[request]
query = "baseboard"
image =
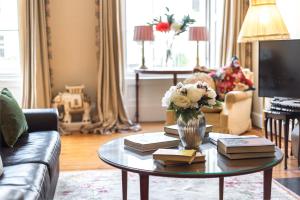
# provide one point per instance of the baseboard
(257, 119)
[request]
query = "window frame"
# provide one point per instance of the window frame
(129, 72)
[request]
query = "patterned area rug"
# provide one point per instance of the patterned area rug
(106, 185)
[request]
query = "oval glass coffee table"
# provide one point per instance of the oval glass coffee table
(216, 166)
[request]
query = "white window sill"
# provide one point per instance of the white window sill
(156, 77)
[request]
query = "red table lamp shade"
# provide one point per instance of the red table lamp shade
(143, 33)
(198, 33)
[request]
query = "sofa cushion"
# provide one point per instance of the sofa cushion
(35, 147)
(31, 180)
(12, 120)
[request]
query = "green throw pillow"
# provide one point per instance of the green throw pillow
(12, 120)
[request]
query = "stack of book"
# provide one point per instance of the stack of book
(150, 141)
(171, 157)
(172, 130)
(242, 148)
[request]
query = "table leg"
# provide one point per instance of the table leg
(271, 129)
(286, 138)
(137, 97)
(144, 187)
(174, 79)
(266, 127)
(124, 185)
(221, 188)
(267, 184)
(280, 130)
(275, 128)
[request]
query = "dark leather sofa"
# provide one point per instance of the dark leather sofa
(31, 167)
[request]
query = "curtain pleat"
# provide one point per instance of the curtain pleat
(34, 54)
(234, 13)
(112, 115)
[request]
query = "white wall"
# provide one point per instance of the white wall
(289, 10)
(74, 62)
(291, 14)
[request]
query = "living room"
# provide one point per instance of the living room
(142, 99)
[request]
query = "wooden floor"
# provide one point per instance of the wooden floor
(79, 151)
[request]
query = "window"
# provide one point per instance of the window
(9, 47)
(205, 12)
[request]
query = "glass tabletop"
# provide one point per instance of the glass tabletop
(216, 165)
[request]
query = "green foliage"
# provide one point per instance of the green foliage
(187, 114)
(185, 22)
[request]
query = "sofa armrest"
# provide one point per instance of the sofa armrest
(236, 96)
(41, 119)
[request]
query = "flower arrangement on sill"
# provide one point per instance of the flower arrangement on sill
(186, 100)
(171, 28)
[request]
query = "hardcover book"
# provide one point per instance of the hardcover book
(214, 137)
(199, 158)
(235, 156)
(245, 145)
(186, 156)
(150, 141)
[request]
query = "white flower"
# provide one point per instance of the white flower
(176, 26)
(179, 85)
(166, 100)
(180, 100)
(211, 102)
(211, 93)
(195, 94)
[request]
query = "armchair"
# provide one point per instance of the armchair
(234, 116)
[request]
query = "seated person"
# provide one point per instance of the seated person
(231, 78)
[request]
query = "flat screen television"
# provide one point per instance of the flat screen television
(279, 69)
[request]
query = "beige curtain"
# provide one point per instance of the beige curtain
(234, 13)
(34, 54)
(111, 111)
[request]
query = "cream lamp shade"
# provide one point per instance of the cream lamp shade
(198, 33)
(263, 21)
(143, 33)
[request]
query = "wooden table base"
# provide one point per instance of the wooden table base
(144, 185)
(267, 184)
(124, 184)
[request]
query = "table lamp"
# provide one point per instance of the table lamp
(198, 34)
(143, 33)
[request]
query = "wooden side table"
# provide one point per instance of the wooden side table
(283, 118)
(170, 71)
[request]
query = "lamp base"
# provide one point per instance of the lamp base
(143, 67)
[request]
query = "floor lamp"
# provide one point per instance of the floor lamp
(263, 21)
(143, 33)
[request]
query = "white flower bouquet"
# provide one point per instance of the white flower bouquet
(186, 100)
